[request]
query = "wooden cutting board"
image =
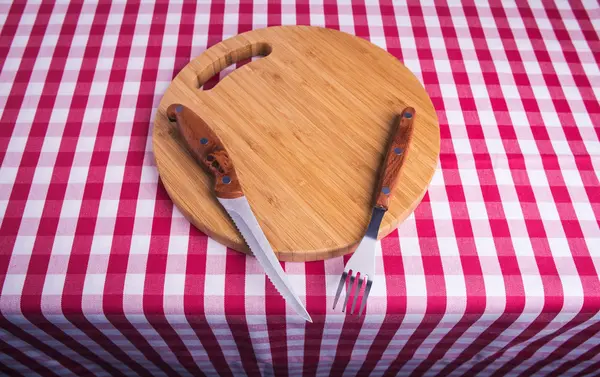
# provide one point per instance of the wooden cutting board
(307, 127)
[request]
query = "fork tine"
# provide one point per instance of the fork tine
(340, 286)
(348, 292)
(365, 296)
(356, 292)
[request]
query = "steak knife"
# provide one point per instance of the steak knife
(207, 149)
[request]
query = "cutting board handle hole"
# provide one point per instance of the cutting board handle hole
(232, 60)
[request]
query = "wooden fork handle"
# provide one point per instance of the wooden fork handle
(394, 160)
(208, 150)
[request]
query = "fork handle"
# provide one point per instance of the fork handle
(395, 157)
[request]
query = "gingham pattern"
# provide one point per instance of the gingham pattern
(496, 272)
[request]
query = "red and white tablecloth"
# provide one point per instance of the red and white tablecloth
(496, 272)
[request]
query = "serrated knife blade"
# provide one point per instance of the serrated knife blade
(240, 212)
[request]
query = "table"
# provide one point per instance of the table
(496, 271)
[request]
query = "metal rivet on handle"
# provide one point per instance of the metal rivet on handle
(398, 150)
(204, 141)
(385, 190)
(179, 109)
(407, 115)
(226, 179)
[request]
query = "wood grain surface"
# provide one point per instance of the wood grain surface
(307, 127)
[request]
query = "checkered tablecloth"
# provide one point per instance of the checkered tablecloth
(496, 271)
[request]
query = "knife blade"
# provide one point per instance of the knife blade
(208, 150)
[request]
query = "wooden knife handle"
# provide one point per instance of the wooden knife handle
(208, 150)
(396, 155)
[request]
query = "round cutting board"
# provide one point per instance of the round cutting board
(306, 127)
